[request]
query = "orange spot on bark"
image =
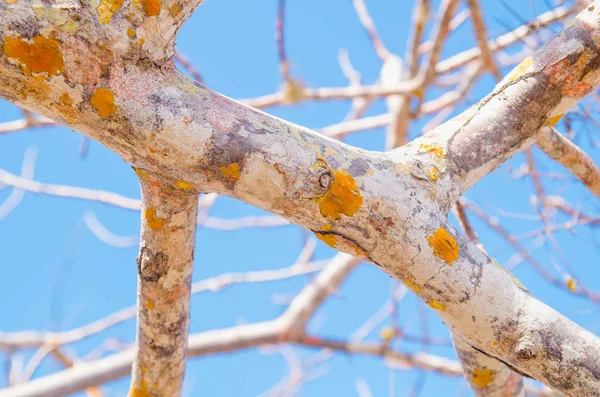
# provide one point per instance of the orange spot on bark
(175, 10)
(104, 102)
(342, 197)
(10, 1)
(278, 169)
(149, 305)
(232, 171)
(154, 223)
(152, 7)
(553, 120)
(107, 9)
(327, 227)
(482, 377)
(66, 108)
(43, 55)
(436, 305)
(131, 32)
(414, 287)
(328, 239)
(433, 173)
(184, 185)
(435, 150)
(523, 68)
(444, 246)
(341, 243)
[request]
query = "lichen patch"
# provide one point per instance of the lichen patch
(444, 246)
(42, 56)
(103, 101)
(342, 197)
(481, 377)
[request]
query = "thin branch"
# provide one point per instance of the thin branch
(369, 26)
(481, 36)
(570, 156)
(165, 266)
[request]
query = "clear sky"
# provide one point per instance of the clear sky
(56, 275)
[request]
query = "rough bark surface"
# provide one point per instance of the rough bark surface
(390, 208)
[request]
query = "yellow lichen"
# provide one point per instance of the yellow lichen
(43, 55)
(482, 377)
(571, 284)
(104, 102)
(152, 7)
(341, 243)
(10, 1)
(523, 68)
(66, 108)
(437, 151)
(149, 305)
(444, 246)
(174, 10)
(342, 197)
(433, 173)
(154, 223)
(328, 239)
(184, 185)
(412, 286)
(387, 334)
(131, 32)
(436, 305)
(327, 227)
(553, 120)
(231, 171)
(107, 9)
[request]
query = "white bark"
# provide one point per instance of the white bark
(390, 208)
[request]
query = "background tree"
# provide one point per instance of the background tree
(104, 69)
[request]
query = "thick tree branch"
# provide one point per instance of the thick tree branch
(390, 208)
(165, 268)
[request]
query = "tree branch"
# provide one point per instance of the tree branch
(570, 156)
(165, 268)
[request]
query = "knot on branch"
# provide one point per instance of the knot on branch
(528, 346)
(152, 267)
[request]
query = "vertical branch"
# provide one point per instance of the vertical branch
(165, 267)
(487, 376)
(481, 36)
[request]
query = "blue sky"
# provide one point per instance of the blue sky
(56, 275)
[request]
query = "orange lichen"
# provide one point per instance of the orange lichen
(436, 305)
(341, 243)
(342, 197)
(526, 66)
(152, 7)
(387, 334)
(414, 287)
(444, 246)
(231, 171)
(433, 173)
(435, 150)
(66, 108)
(553, 120)
(175, 9)
(43, 55)
(184, 185)
(154, 223)
(131, 32)
(571, 284)
(481, 377)
(10, 1)
(327, 238)
(104, 102)
(107, 9)
(149, 305)
(327, 227)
